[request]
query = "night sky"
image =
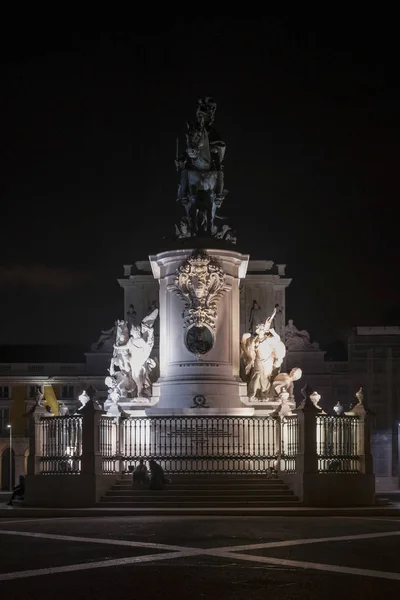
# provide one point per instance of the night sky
(308, 108)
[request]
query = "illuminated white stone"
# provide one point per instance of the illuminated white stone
(215, 374)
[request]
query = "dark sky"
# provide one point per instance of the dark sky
(309, 111)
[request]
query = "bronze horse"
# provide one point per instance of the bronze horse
(201, 186)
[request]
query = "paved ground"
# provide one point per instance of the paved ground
(226, 558)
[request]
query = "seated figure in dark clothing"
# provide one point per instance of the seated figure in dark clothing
(157, 477)
(140, 473)
(19, 490)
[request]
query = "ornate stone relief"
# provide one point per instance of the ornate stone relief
(200, 283)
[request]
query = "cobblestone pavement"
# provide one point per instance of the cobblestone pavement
(199, 557)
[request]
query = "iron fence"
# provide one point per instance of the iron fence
(338, 440)
(289, 438)
(61, 444)
(109, 444)
(213, 444)
(196, 444)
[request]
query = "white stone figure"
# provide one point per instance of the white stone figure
(121, 355)
(262, 354)
(39, 397)
(315, 398)
(141, 344)
(279, 322)
(297, 340)
(148, 367)
(63, 410)
(112, 402)
(83, 399)
(123, 382)
(285, 381)
(255, 317)
(284, 409)
(131, 361)
(38, 406)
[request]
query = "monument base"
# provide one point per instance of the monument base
(199, 412)
(201, 392)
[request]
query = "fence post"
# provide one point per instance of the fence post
(92, 461)
(278, 441)
(35, 445)
(363, 434)
(307, 457)
(364, 445)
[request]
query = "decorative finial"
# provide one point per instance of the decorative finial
(358, 409)
(338, 408)
(360, 396)
(308, 402)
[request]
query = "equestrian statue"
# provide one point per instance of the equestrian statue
(201, 189)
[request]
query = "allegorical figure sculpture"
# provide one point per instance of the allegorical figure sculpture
(285, 382)
(131, 363)
(262, 354)
(298, 340)
(201, 188)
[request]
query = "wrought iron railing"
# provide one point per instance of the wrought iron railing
(191, 444)
(109, 435)
(213, 444)
(289, 438)
(338, 441)
(61, 444)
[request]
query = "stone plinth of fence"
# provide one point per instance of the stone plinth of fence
(65, 464)
(327, 460)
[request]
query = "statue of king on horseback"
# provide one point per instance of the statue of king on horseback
(201, 189)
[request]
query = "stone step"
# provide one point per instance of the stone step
(209, 499)
(212, 477)
(209, 485)
(203, 484)
(168, 491)
(206, 491)
(200, 505)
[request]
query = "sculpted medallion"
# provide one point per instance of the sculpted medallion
(200, 282)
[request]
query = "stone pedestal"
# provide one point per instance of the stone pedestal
(203, 381)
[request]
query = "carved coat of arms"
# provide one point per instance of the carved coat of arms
(200, 282)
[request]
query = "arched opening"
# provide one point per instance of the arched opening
(7, 483)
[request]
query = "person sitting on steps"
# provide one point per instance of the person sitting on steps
(19, 490)
(157, 477)
(140, 473)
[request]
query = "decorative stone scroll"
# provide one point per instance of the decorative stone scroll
(200, 283)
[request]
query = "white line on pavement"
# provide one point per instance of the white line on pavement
(229, 552)
(381, 519)
(93, 565)
(341, 538)
(283, 562)
(112, 542)
(244, 547)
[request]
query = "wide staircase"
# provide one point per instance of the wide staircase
(202, 492)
